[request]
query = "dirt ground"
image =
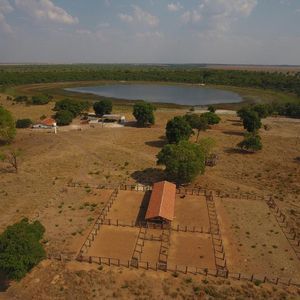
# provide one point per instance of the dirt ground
(191, 249)
(129, 207)
(54, 280)
(114, 155)
(114, 242)
(191, 211)
(253, 240)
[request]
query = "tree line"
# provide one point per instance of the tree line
(14, 75)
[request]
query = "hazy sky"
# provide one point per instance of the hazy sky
(150, 31)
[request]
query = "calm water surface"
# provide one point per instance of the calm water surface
(178, 94)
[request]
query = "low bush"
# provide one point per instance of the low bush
(23, 123)
(251, 142)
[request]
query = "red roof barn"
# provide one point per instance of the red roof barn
(162, 203)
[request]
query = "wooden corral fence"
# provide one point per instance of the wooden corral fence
(187, 270)
(219, 251)
(177, 228)
(288, 231)
(94, 231)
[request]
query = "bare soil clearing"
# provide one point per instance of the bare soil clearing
(192, 249)
(191, 211)
(114, 242)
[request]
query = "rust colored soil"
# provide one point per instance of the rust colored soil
(129, 207)
(114, 242)
(191, 211)
(191, 249)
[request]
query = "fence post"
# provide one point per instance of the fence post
(277, 280)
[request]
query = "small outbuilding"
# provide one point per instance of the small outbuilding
(47, 123)
(162, 203)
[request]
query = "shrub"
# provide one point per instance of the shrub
(40, 100)
(211, 108)
(23, 123)
(20, 249)
(251, 142)
(178, 129)
(7, 126)
(20, 99)
(144, 113)
(103, 107)
(63, 117)
(73, 106)
(211, 118)
(183, 161)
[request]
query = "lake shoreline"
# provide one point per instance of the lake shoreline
(196, 95)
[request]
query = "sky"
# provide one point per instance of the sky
(150, 31)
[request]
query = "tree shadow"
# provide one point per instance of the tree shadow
(156, 144)
(148, 176)
(131, 124)
(237, 151)
(231, 132)
(143, 208)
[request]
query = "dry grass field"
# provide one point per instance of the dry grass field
(114, 155)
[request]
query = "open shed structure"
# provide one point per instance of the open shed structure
(162, 203)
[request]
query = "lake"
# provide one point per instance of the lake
(177, 94)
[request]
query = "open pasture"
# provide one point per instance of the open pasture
(254, 241)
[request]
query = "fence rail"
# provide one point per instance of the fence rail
(173, 268)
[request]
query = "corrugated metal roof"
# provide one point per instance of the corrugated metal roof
(162, 201)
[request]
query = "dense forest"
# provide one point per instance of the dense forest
(25, 74)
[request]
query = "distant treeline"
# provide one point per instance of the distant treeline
(14, 75)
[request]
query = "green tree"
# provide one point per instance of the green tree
(74, 106)
(103, 107)
(207, 145)
(197, 122)
(251, 121)
(211, 108)
(211, 118)
(252, 142)
(178, 129)
(63, 117)
(144, 113)
(7, 126)
(183, 161)
(23, 123)
(263, 110)
(20, 249)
